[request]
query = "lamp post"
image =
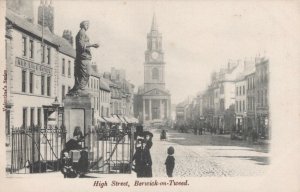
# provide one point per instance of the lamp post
(55, 106)
(245, 121)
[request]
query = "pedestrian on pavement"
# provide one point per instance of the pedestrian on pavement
(147, 156)
(210, 128)
(138, 159)
(195, 129)
(170, 162)
(83, 163)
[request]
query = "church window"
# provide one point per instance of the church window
(149, 44)
(155, 73)
(153, 44)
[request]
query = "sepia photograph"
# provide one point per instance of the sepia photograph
(129, 95)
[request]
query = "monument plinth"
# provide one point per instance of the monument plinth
(78, 112)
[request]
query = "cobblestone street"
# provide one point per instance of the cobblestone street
(208, 155)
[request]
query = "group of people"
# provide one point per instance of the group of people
(199, 128)
(142, 157)
(70, 169)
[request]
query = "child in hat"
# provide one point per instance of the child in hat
(170, 162)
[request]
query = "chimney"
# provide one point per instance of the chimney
(113, 73)
(257, 59)
(22, 7)
(47, 10)
(239, 64)
(67, 34)
(106, 75)
(229, 65)
(122, 74)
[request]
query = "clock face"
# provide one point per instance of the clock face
(154, 55)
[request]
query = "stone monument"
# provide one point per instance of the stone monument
(78, 102)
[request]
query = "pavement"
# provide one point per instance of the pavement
(196, 156)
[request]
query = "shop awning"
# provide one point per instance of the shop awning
(112, 119)
(131, 120)
(100, 119)
(116, 118)
(108, 119)
(121, 118)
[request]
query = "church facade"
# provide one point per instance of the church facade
(153, 100)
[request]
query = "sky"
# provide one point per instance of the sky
(199, 37)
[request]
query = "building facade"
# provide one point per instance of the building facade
(180, 113)
(240, 103)
(121, 92)
(94, 91)
(262, 98)
(105, 96)
(223, 86)
(34, 60)
(236, 100)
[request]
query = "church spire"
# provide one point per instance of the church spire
(154, 24)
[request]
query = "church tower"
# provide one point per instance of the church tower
(154, 66)
(153, 102)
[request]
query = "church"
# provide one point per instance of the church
(153, 100)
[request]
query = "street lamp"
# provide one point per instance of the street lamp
(55, 104)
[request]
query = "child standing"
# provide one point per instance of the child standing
(170, 162)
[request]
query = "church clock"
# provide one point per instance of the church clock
(154, 55)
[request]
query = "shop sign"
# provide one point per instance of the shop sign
(36, 67)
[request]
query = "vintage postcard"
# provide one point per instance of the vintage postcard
(150, 95)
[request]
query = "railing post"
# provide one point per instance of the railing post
(131, 145)
(32, 148)
(12, 150)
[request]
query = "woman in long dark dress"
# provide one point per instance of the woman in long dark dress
(147, 156)
(138, 158)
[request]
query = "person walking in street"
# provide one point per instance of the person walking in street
(170, 162)
(195, 128)
(199, 128)
(210, 128)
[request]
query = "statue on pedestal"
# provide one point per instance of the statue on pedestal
(82, 61)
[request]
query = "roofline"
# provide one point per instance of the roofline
(65, 53)
(158, 89)
(104, 89)
(32, 34)
(39, 36)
